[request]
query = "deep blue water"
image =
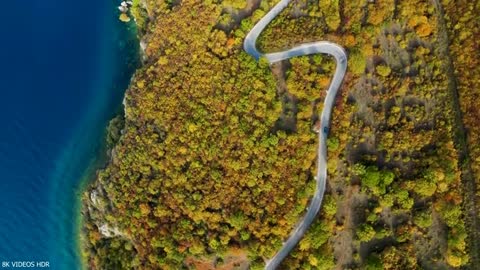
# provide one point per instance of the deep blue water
(64, 68)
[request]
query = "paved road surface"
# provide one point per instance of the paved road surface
(305, 49)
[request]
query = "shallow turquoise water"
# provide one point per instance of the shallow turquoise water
(65, 67)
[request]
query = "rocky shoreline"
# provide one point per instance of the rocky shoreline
(95, 204)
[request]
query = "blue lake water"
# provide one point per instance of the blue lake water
(65, 67)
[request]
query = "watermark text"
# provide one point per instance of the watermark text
(25, 264)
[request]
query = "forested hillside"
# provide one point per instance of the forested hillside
(213, 162)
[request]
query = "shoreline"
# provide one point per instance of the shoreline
(103, 156)
(100, 160)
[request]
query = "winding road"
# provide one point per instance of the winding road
(305, 49)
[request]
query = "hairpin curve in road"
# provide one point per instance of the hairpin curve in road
(340, 56)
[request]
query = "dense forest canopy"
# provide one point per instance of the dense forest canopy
(213, 162)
